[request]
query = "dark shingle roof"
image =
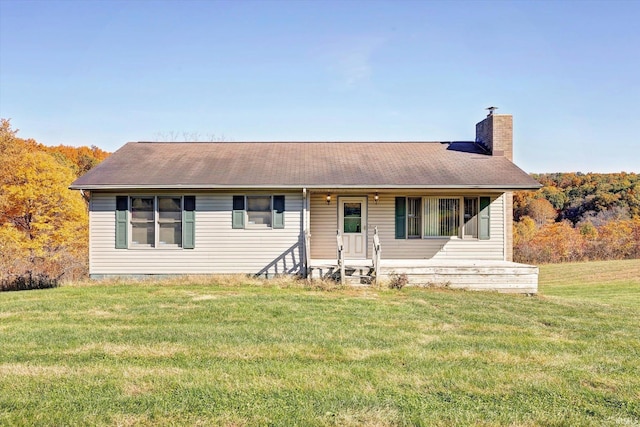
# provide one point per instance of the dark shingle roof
(196, 165)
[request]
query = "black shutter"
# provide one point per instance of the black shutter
(122, 210)
(278, 211)
(484, 223)
(189, 222)
(401, 217)
(237, 218)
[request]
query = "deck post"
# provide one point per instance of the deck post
(307, 255)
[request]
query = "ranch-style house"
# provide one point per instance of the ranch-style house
(440, 212)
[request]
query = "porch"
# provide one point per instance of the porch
(357, 237)
(500, 276)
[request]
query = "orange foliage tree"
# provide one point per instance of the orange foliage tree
(541, 211)
(80, 159)
(597, 216)
(619, 240)
(558, 242)
(43, 224)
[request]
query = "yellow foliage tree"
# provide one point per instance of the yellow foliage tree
(524, 230)
(43, 224)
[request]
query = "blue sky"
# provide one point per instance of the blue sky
(107, 72)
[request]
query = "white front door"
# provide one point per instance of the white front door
(353, 226)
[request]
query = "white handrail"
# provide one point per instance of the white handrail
(340, 245)
(377, 252)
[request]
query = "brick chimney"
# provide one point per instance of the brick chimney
(495, 133)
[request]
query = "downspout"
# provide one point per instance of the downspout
(86, 196)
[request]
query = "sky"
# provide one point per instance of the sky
(107, 72)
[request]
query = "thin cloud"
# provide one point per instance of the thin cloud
(351, 59)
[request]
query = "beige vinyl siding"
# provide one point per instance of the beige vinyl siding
(324, 224)
(218, 249)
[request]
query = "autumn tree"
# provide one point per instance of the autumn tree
(555, 196)
(541, 211)
(618, 240)
(523, 232)
(43, 224)
(79, 159)
(578, 216)
(558, 242)
(520, 201)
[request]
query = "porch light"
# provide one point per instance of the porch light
(328, 198)
(376, 198)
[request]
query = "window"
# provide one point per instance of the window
(143, 221)
(352, 217)
(155, 222)
(258, 212)
(441, 216)
(465, 217)
(170, 220)
(470, 228)
(414, 217)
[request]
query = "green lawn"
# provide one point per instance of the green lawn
(210, 354)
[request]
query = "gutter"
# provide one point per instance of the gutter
(308, 187)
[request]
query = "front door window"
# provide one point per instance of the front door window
(352, 217)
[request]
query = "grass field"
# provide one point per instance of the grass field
(284, 354)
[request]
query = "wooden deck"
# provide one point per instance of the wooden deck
(501, 276)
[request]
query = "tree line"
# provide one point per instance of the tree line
(43, 224)
(577, 217)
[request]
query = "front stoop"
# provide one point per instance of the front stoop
(357, 272)
(354, 274)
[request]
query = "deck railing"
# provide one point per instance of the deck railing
(377, 252)
(340, 255)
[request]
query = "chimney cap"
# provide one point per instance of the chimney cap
(491, 110)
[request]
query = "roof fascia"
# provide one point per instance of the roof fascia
(505, 187)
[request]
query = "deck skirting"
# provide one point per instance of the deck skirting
(500, 276)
